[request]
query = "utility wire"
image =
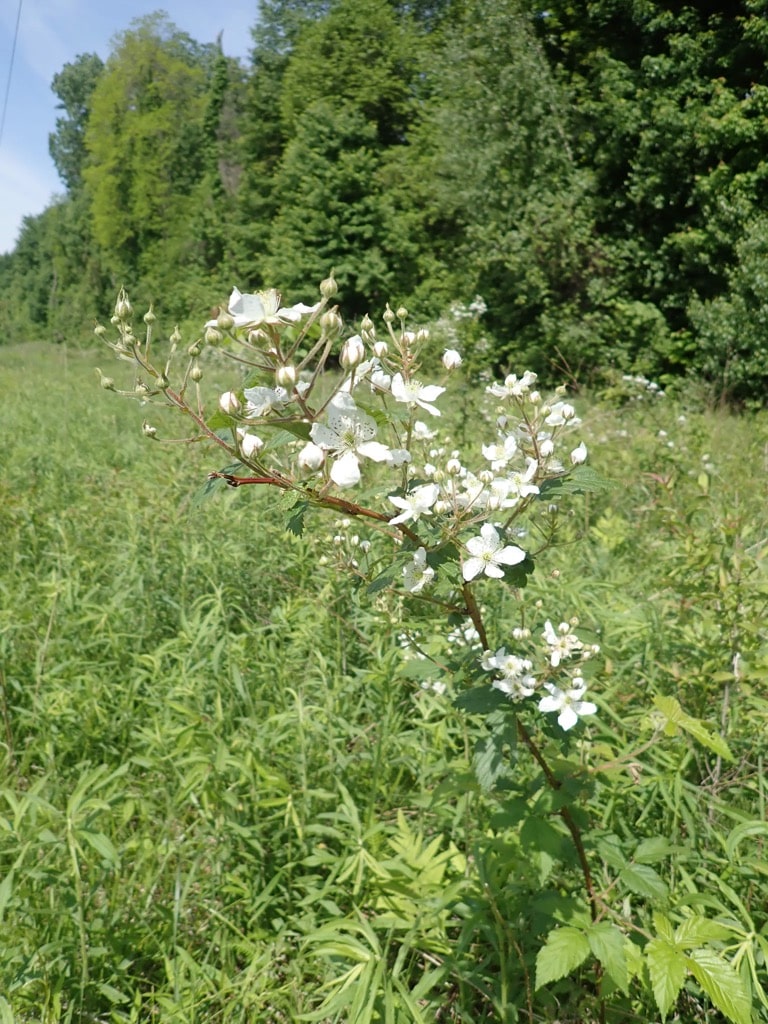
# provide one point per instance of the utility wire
(10, 70)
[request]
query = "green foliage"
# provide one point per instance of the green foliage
(74, 86)
(227, 797)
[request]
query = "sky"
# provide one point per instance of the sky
(51, 33)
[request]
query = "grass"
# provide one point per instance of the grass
(223, 799)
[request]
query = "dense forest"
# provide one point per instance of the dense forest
(578, 188)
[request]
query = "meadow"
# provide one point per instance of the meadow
(227, 797)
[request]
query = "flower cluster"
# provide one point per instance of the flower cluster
(560, 652)
(365, 441)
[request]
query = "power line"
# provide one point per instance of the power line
(10, 70)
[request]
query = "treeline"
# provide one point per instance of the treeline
(597, 173)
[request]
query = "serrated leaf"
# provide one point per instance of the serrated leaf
(480, 700)
(700, 931)
(607, 944)
(722, 984)
(643, 880)
(517, 575)
(676, 717)
(565, 950)
(656, 848)
(581, 480)
(666, 968)
(382, 581)
(295, 522)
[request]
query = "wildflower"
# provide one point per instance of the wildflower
(488, 555)
(416, 394)
(500, 454)
(562, 644)
(568, 703)
(416, 504)
(579, 455)
(262, 308)
(263, 400)
(348, 435)
(451, 359)
(417, 574)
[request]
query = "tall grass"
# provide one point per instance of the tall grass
(219, 791)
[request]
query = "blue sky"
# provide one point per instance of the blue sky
(51, 34)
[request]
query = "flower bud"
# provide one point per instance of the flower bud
(331, 322)
(193, 350)
(106, 382)
(579, 455)
(250, 445)
(114, 320)
(212, 335)
(225, 321)
(453, 467)
(311, 457)
(380, 349)
(329, 287)
(422, 335)
(388, 315)
(149, 317)
(352, 352)
(257, 337)
(175, 337)
(100, 331)
(229, 403)
(451, 359)
(367, 325)
(123, 308)
(148, 430)
(286, 376)
(402, 313)
(196, 374)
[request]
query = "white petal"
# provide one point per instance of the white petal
(471, 567)
(346, 470)
(374, 450)
(510, 555)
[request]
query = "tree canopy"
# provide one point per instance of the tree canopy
(596, 172)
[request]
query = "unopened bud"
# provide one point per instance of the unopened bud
(149, 317)
(193, 350)
(286, 376)
(175, 335)
(389, 316)
(367, 325)
(311, 457)
(100, 331)
(402, 313)
(225, 321)
(331, 323)
(196, 374)
(114, 320)
(148, 430)
(422, 335)
(451, 359)
(229, 403)
(352, 352)
(212, 335)
(380, 349)
(328, 287)
(123, 308)
(106, 382)
(251, 445)
(257, 337)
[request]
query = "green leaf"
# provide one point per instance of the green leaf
(654, 849)
(581, 480)
(565, 950)
(677, 718)
(480, 700)
(667, 968)
(102, 844)
(742, 831)
(722, 984)
(643, 880)
(700, 931)
(607, 944)
(295, 522)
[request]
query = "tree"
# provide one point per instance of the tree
(74, 86)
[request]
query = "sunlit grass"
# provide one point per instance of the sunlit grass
(214, 765)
